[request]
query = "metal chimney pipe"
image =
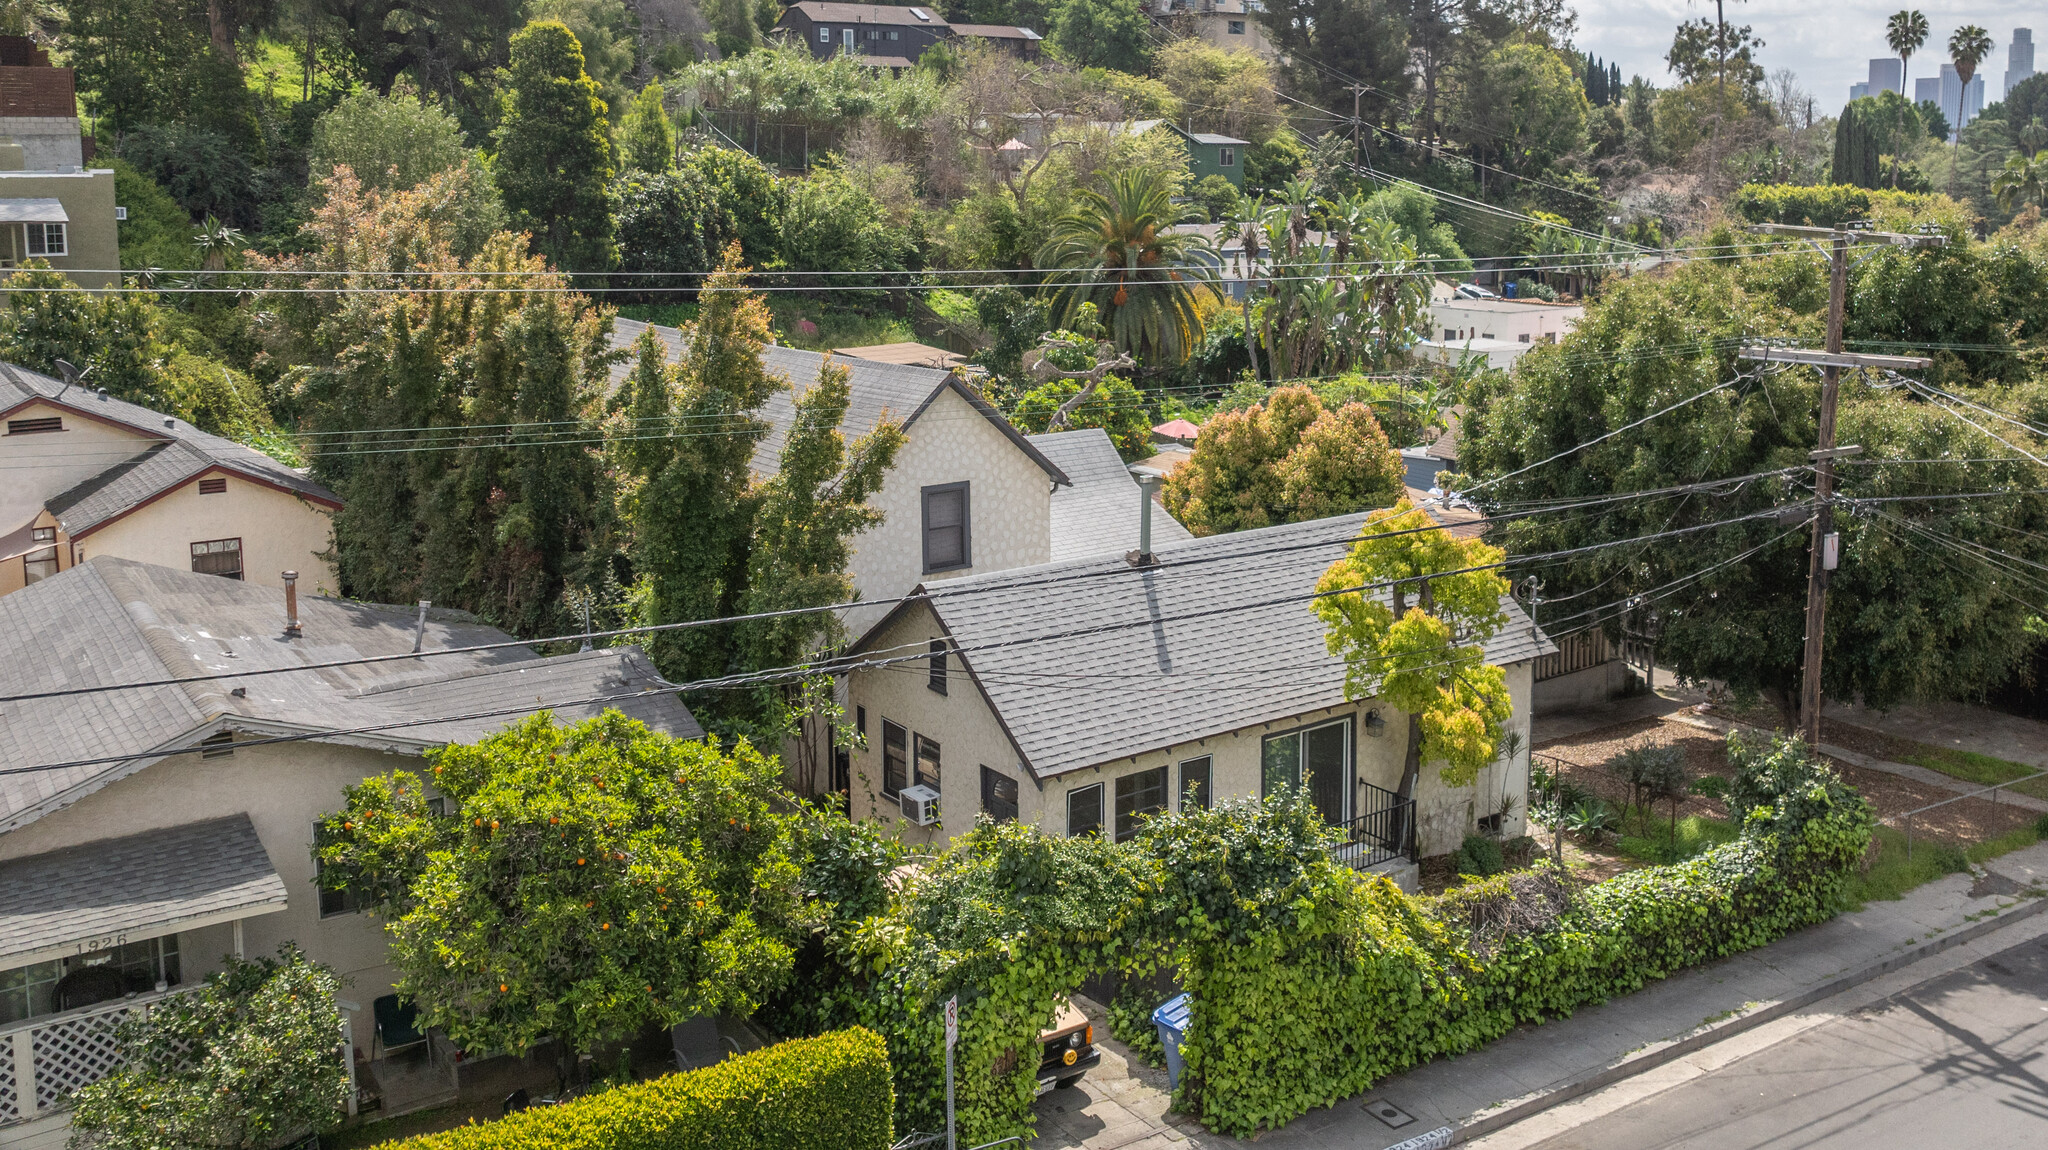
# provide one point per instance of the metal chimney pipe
(419, 630)
(1148, 479)
(291, 604)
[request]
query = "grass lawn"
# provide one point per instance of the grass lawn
(1652, 840)
(1892, 874)
(1977, 768)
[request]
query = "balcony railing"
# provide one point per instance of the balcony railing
(43, 1060)
(1385, 832)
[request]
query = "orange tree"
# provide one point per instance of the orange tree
(584, 881)
(1409, 609)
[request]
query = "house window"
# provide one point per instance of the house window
(874, 33)
(31, 426)
(1450, 334)
(1138, 796)
(824, 35)
(41, 563)
(213, 487)
(895, 34)
(1226, 157)
(925, 771)
(895, 759)
(332, 902)
(1084, 810)
(45, 239)
(860, 721)
(1316, 759)
(1237, 27)
(62, 983)
(221, 557)
(946, 542)
(1194, 784)
(937, 682)
(999, 795)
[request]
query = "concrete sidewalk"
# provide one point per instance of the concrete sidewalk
(1123, 1104)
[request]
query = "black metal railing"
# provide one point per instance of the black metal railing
(1383, 833)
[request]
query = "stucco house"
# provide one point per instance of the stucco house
(1081, 696)
(968, 492)
(52, 207)
(147, 832)
(92, 475)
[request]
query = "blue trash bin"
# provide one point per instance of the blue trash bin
(1172, 1020)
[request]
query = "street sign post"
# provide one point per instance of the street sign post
(952, 1038)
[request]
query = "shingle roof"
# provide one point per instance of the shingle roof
(868, 14)
(112, 621)
(898, 391)
(996, 32)
(1098, 514)
(1078, 677)
(183, 452)
(144, 884)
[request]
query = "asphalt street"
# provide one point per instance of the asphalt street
(1956, 1061)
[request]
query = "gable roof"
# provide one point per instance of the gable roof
(899, 391)
(1097, 514)
(836, 13)
(109, 621)
(1093, 660)
(180, 452)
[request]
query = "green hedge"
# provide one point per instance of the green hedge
(826, 1093)
(1822, 205)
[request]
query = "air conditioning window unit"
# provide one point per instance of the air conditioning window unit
(920, 805)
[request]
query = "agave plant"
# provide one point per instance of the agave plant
(1116, 249)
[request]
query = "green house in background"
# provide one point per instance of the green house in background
(1209, 154)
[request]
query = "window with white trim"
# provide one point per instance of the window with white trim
(824, 35)
(46, 240)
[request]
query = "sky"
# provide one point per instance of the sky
(1829, 44)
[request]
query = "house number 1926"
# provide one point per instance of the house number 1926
(105, 942)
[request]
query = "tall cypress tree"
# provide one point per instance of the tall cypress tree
(1856, 149)
(555, 160)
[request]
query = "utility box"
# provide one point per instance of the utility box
(1172, 1020)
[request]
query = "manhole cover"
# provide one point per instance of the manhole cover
(1387, 1112)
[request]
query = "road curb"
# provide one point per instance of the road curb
(1670, 1050)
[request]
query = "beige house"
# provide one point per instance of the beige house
(92, 475)
(154, 830)
(1232, 25)
(1083, 696)
(968, 493)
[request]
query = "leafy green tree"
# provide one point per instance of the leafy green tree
(1282, 461)
(251, 1059)
(158, 231)
(1114, 250)
(1418, 646)
(1348, 302)
(1523, 108)
(555, 161)
(655, 881)
(1116, 407)
(830, 223)
(1219, 91)
(394, 141)
(2019, 182)
(647, 141)
(1101, 34)
(609, 35)
(167, 62)
(1327, 45)
(119, 337)
(1910, 614)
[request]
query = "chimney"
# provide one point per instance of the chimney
(1148, 479)
(419, 633)
(291, 604)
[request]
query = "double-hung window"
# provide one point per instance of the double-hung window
(1315, 759)
(895, 759)
(925, 768)
(1138, 796)
(824, 35)
(1084, 810)
(947, 546)
(1226, 157)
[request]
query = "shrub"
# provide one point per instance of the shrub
(1480, 856)
(831, 1092)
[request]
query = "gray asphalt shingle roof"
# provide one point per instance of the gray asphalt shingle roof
(110, 621)
(897, 391)
(184, 452)
(144, 885)
(1079, 677)
(1098, 514)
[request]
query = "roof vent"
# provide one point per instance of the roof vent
(102, 393)
(170, 423)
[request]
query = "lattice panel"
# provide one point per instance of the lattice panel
(10, 1110)
(74, 1053)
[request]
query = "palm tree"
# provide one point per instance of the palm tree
(1905, 32)
(1967, 49)
(2020, 182)
(1117, 250)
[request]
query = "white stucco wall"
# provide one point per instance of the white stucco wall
(44, 464)
(970, 737)
(279, 532)
(1009, 506)
(283, 789)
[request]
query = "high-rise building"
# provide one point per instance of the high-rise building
(1858, 90)
(1886, 75)
(1927, 88)
(1959, 105)
(2019, 58)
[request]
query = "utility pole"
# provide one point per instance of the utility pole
(1824, 552)
(1357, 143)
